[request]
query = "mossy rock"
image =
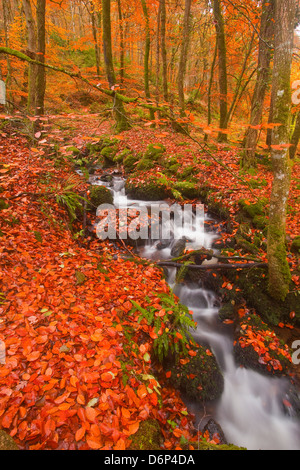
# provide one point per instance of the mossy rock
(3, 204)
(253, 210)
(130, 162)
(173, 169)
(227, 311)
(7, 442)
(171, 161)
(199, 379)
(295, 247)
(245, 245)
(150, 189)
(186, 172)
(99, 195)
(120, 157)
(145, 164)
(148, 436)
(108, 154)
(187, 189)
(245, 354)
(254, 287)
(154, 152)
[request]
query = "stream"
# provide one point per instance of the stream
(250, 410)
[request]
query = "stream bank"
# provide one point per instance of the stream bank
(286, 395)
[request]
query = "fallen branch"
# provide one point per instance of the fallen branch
(207, 267)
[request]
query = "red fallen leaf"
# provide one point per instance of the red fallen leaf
(80, 433)
(286, 403)
(107, 376)
(91, 414)
(94, 443)
(168, 374)
(120, 445)
(33, 356)
(228, 322)
(192, 353)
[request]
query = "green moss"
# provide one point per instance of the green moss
(295, 247)
(187, 189)
(100, 195)
(151, 189)
(109, 152)
(173, 169)
(145, 164)
(3, 204)
(120, 157)
(254, 287)
(7, 442)
(130, 162)
(187, 172)
(227, 311)
(253, 210)
(154, 152)
(200, 378)
(245, 351)
(148, 436)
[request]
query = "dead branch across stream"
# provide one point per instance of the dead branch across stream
(215, 266)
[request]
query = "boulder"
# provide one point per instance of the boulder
(7, 442)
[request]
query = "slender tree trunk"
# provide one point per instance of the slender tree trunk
(240, 80)
(221, 42)
(184, 53)
(211, 79)
(31, 52)
(295, 138)
(41, 49)
(279, 271)
(9, 72)
(262, 82)
(119, 111)
(122, 50)
(163, 19)
(95, 36)
(158, 52)
(147, 55)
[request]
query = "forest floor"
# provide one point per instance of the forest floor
(72, 377)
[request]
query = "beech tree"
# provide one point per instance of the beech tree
(279, 271)
(222, 64)
(41, 49)
(118, 107)
(263, 79)
(184, 53)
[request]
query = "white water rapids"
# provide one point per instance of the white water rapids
(250, 410)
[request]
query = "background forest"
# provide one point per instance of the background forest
(175, 100)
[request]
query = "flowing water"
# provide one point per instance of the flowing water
(250, 410)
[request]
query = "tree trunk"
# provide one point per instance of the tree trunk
(147, 55)
(184, 53)
(6, 38)
(121, 29)
(95, 36)
(262, 82)
(31, 52)
(211, 79)
(118, 108)
(158, 53)
(41, 49)
(163, 18)
(295, 138)
(221, 42)
(279, 271)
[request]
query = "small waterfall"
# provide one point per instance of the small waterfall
(250, 409)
